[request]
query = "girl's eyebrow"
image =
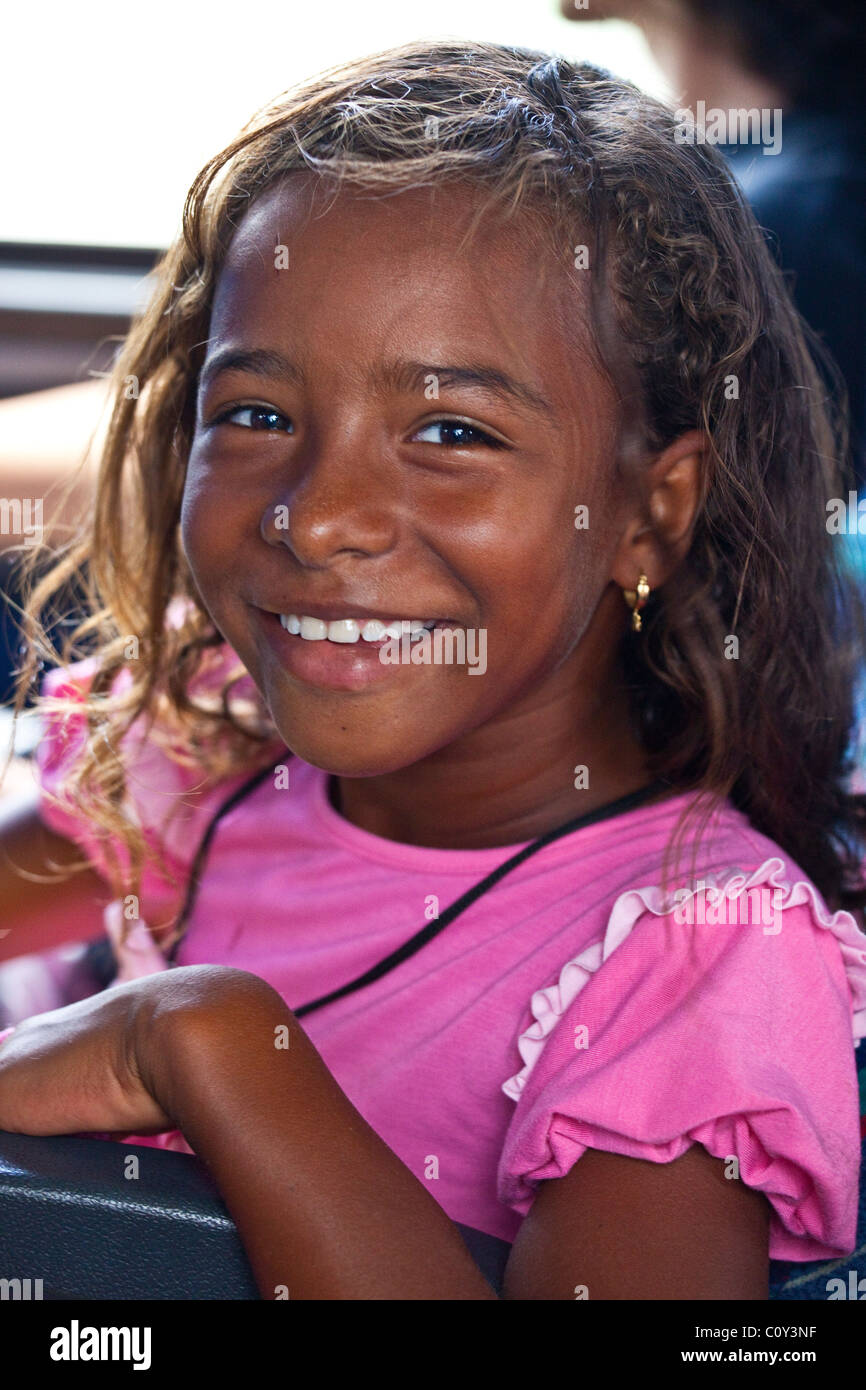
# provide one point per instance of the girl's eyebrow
(398, 375)
(266, 362)
(415, 376)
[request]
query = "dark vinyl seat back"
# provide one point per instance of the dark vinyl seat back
(73, 1215)
(70, 1216)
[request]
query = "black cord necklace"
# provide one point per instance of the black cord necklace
(432, 929)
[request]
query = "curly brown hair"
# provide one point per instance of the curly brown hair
(686, 300)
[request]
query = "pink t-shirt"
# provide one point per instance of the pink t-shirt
(570, 1007)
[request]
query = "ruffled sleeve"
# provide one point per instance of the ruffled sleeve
(726, 1018)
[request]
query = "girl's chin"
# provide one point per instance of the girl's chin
(357, 761)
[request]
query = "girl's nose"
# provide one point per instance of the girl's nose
(337, 504)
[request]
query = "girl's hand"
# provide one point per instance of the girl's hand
(104, 1064)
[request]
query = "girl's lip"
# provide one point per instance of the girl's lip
(329, 665)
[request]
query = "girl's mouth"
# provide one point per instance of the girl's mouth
(348, 631)
(343, 654)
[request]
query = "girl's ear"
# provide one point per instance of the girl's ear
(655, 546)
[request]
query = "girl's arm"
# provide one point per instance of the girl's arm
(627, 1229)
(325, 1209)
(38, 916)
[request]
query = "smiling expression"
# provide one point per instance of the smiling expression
(399, 425)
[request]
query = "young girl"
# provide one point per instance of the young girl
(563, 950)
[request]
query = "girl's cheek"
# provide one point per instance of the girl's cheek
(199, 540)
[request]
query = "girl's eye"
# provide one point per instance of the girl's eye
(456, 434)
(256, 417)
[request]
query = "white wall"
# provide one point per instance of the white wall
(108, 108)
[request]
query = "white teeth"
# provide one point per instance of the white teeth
(347, 630)
(344, 630)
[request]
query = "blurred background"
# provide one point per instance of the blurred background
(105, 131)
(124, 106)
(107, 113)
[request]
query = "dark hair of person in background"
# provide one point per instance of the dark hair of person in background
(811, 197)
(814, 51)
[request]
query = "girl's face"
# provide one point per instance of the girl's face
(391, 426)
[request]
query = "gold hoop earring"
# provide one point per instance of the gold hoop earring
(636, 598)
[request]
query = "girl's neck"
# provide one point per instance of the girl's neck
(507, 788)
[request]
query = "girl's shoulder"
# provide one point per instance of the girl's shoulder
(737, 914)
(168, 796)
(722, 1011)
(674, 876)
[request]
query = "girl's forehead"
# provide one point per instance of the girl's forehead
(441, 255)
(451, 222)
